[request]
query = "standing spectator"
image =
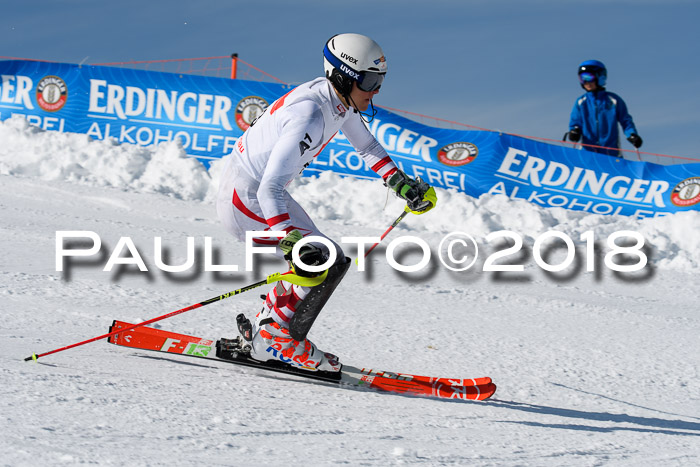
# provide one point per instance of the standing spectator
(596, 114)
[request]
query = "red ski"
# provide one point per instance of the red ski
(232, 351)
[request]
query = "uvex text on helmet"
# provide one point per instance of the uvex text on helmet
(349, 58)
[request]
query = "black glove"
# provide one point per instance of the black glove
(309, 254)
(575, 134)
(412, 190)
(636, 140)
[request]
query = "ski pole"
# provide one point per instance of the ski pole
(396, 222)
(286, 276)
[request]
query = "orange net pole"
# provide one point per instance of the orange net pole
(234, 65)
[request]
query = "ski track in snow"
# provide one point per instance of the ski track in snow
(592, 368)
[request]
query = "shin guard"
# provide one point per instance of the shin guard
(311, 306)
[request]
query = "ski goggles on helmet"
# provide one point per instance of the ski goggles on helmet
(587, 77)
(368, 81)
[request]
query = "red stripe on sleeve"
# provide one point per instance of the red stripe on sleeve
(378, 166)
(277, 219)
(263, 241)
(390, 173)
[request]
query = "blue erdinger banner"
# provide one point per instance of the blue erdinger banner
(209, 114)
(133, 106)
(478, 162)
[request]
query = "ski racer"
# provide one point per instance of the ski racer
(276, 148)
(595, 115)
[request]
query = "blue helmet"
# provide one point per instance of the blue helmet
(592, 70)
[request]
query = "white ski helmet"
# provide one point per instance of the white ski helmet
(349, 58)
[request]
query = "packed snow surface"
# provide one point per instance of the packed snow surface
(593, 367)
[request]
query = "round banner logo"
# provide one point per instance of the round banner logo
(249, 109)
(456, 154)
(51, 93)
(687, 192)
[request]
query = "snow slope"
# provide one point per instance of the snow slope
(593, 368)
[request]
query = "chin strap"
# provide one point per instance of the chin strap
(366, 117)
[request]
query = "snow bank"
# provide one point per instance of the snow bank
(365, 202)
(27, 151)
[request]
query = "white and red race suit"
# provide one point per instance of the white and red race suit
(279, 145)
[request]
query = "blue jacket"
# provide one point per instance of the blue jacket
(597, 113)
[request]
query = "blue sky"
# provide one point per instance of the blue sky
(499, 64)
